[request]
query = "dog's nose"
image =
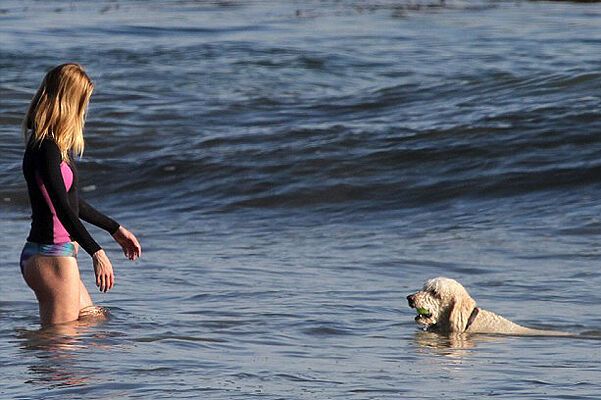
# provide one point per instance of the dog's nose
(411, 300)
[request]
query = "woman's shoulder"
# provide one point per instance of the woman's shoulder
(44, 145)
(45, 148)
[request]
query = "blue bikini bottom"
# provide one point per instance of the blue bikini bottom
(31, 249)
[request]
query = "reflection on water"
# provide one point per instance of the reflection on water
(450, 345)
(453, 346)
(57, 350)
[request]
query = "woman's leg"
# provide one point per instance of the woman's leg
(57, 286)
(84, 297)
(89, 311)
(85, 301)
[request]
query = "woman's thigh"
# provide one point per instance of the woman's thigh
(56, 283)
(84, 296)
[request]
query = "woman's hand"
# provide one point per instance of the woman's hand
(128, 242)
(105, 279)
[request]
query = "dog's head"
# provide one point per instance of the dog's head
(443, 305)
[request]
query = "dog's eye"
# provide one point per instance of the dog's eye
(435, 293)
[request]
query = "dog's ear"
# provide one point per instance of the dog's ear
(460, 313)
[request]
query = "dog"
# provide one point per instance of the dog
(443, 305)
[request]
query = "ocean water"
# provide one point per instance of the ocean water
(293, 170)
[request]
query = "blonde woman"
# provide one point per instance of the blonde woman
(53, 130)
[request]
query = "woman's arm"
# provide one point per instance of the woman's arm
(95, 217)
(128, 242)
(52, 178)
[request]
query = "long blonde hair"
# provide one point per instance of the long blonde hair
(58, 109)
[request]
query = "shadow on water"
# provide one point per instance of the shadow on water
(592, 334)
(58, 350)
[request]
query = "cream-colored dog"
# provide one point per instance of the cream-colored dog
(443, 305)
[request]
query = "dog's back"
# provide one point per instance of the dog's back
(489, 322)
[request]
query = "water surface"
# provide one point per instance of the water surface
(294, 170)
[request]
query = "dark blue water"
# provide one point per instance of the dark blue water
(294, 170)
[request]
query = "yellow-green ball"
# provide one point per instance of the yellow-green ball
(422, 310)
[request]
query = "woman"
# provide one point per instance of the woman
(53, 130)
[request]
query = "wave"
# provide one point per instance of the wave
(340, 167)
(358, 120)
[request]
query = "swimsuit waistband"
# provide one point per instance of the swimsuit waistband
(68, 249)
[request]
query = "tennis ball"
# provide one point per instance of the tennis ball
(422, 310)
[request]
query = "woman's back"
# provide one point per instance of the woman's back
(42, 163)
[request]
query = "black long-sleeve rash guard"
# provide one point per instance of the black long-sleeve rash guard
(55, 204)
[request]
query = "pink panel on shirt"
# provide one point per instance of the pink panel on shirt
(60, 234)
(67, 175)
